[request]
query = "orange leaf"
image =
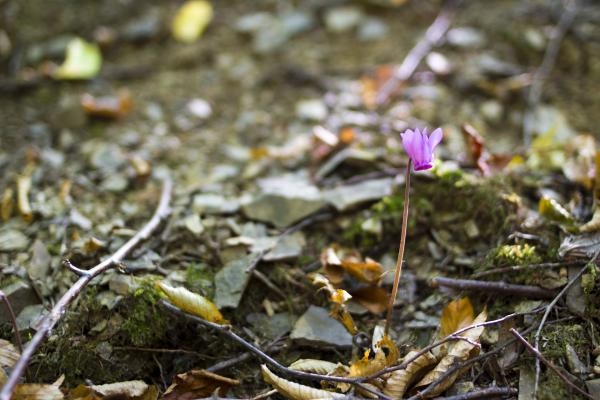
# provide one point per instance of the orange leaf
(372, 298)
(458, 314)
(368, 271)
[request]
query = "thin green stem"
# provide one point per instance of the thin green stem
(400, 259)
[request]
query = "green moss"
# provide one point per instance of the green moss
(555, 336)
(553, 388)
(144, 324)
(200, 278)
(517, 254)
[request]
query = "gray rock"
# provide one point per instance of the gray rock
(271, 327)
(347, 197)
(372, 29)
(40, 261)
(488, 64)
(312, 109)
(143, 28)
(122, 284)
(526, 383)
(78, 219)
(115, 183)
(12, 240)
(317, 328)
(29, 317)
(290, 246)
(20, 295)
(193, 223)
(199, 108)
(593, 387)
(465, 37)
(575, 297)
(231, 281)
(349, 155)
(343, 19)
(282, 210)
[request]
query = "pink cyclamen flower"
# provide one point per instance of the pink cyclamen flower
(420, 147)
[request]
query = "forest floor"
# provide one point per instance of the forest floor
(283, 145)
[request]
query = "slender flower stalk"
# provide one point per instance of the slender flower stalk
(419, 148)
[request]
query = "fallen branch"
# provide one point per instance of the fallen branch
(503, 288)
(482, 394)
(13, 320)
(515, 268)
(50, 320)
(433, 35)
(550, 365)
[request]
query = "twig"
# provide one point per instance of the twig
(482, 394)
(514, 268)
(13, 320)
(550, 365)
(166, 351)
(543, 321)
(541, 74)
(535, 292)
(400, 259)
(74, 269)
(50, 320)
(433, 35)
(273, 346)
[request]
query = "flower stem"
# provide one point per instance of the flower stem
(400, 259)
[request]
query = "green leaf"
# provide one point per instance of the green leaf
(83, 61)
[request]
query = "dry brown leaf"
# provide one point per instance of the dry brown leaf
(8, 354)
(458, 352)
(386, 354)
(23, 188)
(399, 381)
(456, 315)
(368, 271)
(111, 107)
(35, 391)
(314, 366)
(192, 303)
(373, 298)
(341, 313)
(137, 390)
(296, 391)
(197, 384)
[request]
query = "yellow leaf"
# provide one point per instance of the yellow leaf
(399, 380)
(34, 391)
(386, 354)
(457, 314)
(191, 20)
(193, 303)
(83, 61)
(554, 211)
(368, 271)
(340, 296)
(296, 391)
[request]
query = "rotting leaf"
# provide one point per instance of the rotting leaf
(386, 354)
(314, 366)
(296, 391)
(198, 384)
(398, 381)
(338, 297)
(368, 271)
(552, 210)
(35, 391)
(373, 298)
(456, 315)
(8, 354)
(110, 107)
(191, 20)
(192, 303)
(132, 390)
(83, 61)
(458, 352)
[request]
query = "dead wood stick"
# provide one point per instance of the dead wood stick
(514, 268)
(60, 308)
(13, 320)
(535, 292)
(433, 35)
(543, 321)
(550, 365)
(482, 394)
(541, 74)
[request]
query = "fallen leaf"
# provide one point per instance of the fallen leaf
(23, 189)
(296, 391)
(131, 390)
(386, 354)
(7, 204)
(314, 366)
(198, 384)
(110, 107)
(456, 315)
(400, 380)
(373, 298)
(192, 303)
(35, 391)
(8, 354)
(368, 271)
(554, 211)
(83, 61)
(191, 20)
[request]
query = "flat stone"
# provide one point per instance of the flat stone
(12, 240)
(316, 327)
(465, 37)
(209, 203)
(29, 317)
(312, 109)
(40, 261)
(575, 297)
(231, 281)
(350, 155)
(289, 246)
(593, 387)
(346, 197)
(343, 19)
(526, 383)
(20, 295)
(281, 210)
(271, 327)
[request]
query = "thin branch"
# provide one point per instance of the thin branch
(503, 288)
(400, 259)
(50, 320)
(482, 394)
(515, 268)
(75, 270)
(543, 71)
(433, 35)
(164, 351)
(550, 365)
(13, 320)
(543, 321)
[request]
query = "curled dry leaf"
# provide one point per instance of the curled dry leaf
(456, 315)
(458, 352)
(386, 354)
(8, 354)
(110, 107)
(133, 390)
(296, 391)
(373, 298)
(398, 381)
(338, 298)
(34, 391)
(192, 303)
(336, 261)
(315, 366)
(198, 384)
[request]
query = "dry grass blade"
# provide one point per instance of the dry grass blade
(296, 391)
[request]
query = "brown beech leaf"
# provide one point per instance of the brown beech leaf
(373, 298)
(386, 354)
(296, 391)
(368, 271)
(400, 380)
(109, 107)
(315, 366)
(35, 391)
(8, 354)
(456, 315)
(197, 384)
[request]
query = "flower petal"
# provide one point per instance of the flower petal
(435, 138)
